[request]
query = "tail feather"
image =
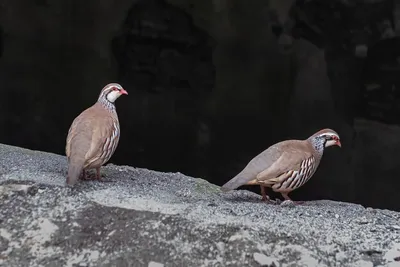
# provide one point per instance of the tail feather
(76, 148)
(74, 171)
(241, 179)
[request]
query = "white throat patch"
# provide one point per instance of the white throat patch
(113, 95)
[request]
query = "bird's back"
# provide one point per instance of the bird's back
(258, 164)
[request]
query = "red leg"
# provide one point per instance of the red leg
(83, 175)
(287, 198)
(264, 195)
(98, 175)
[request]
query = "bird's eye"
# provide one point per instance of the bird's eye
(335, 138)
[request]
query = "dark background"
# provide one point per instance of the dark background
(212, 83)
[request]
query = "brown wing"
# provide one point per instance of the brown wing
(79, 135)
(91, 133)
(105, 137)
(258, 164)
(289, 161)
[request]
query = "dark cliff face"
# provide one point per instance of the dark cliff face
(212, 84)
(167, 61)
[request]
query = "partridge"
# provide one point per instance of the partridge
(94, 135)
(285, 166)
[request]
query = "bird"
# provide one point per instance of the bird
(94, 135)
(285, 166)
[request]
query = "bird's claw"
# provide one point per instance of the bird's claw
(265, 199)
(289, 202)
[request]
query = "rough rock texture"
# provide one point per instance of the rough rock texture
(146, 218)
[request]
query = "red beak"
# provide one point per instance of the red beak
(338, 143)
(123, 92)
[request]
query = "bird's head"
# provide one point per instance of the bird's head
(111, 92)
(328, 137)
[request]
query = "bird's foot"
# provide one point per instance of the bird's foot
(100, 179)
(84, 176)
(89, 176)
(266, 199)
(289, 202)
(94, 177)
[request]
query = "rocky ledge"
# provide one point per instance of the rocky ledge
(147, 218)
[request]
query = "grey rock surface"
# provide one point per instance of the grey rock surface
(147, 218)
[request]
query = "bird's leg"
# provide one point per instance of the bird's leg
(98, 175)
(289, 200)
(88, 176)
(286, 197)
(83, 175)
(264, 195)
